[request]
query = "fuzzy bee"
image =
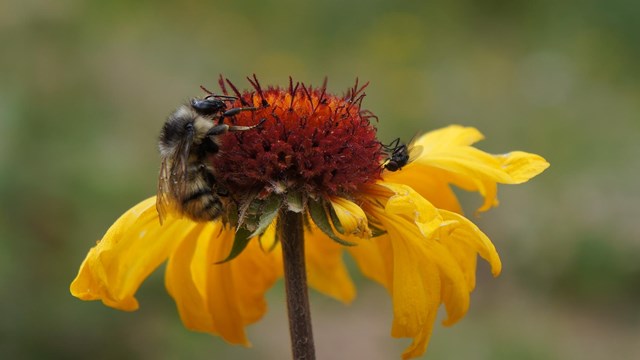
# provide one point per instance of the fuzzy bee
(399, 154)
(187, 181)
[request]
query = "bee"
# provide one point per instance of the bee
(189, 137)
(399, 154)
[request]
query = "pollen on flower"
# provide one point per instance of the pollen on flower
(310, 141)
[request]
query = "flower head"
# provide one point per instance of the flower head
(316, 154)
(312, 143)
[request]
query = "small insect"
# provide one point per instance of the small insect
(399, 154)
(190, 135)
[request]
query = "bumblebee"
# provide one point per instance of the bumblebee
(190, 135)
(399, 154)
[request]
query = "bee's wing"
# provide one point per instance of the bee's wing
(172, 180)
(162, 197)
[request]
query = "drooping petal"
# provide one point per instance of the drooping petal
(372, 256)
(465, 242)
(466, 232)
(181, 285)
(255, 271)
(373, 260)
(326, 271)
(422, 269)
(232, 293)
(424, 273)
(131, 249)
(216, 283)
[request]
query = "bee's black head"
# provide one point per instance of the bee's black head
(208, 106)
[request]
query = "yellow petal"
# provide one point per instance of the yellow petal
(217, 285)
(464, 255)
(424, 273)
(373, 260)
(268, 240)
(326, 270)
(522, 166)
(244, 282)
(255, 271)
(420, 341)
(431, 183)
(468, 162)
(181, 285)
(233, 292)
(452, 160)
(416, 282)
(467, 233)
(352, 217)
(452, 135)
(409, 203)
(465, 241)
(131, 249)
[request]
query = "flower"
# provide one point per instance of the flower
(316, 154)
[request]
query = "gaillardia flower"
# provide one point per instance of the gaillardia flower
(315, 154)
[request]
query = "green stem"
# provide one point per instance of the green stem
(291, 235)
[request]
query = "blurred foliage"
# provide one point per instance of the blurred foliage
(86, 86)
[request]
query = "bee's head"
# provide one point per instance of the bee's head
(184, 124)
(210, 105)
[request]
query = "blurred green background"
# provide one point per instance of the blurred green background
(86, 85)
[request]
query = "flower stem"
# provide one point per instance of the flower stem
(291, 235)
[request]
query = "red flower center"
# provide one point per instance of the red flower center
(310, 141)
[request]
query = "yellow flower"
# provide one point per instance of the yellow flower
(404, 228)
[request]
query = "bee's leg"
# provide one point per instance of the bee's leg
(224, 128)
(218, 130)
(233, 112)
(228, 98)
(245, 128)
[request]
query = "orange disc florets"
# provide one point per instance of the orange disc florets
(310, 141)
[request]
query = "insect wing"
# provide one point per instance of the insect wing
(162, 197)
(172, 181)
(414, 152)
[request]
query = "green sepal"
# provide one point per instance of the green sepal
(295, 202)
(320, 218)
(376, 231)
(240, 242)
(270, 210)
(252, 215)
(243, 209)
